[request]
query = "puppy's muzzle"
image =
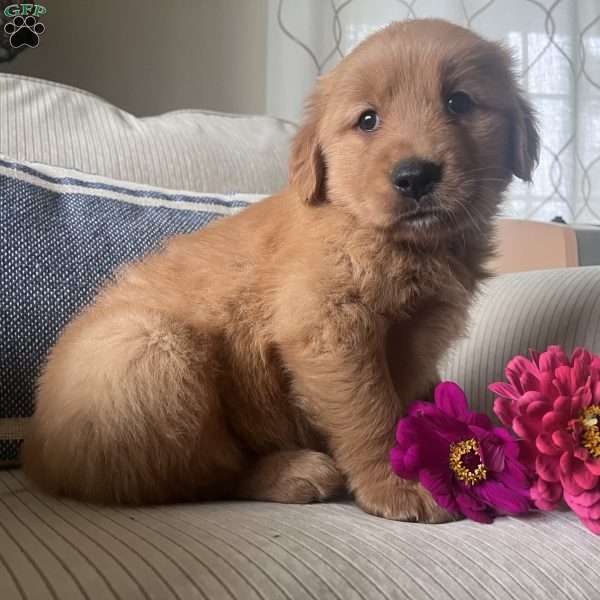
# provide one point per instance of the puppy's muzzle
(414, 178)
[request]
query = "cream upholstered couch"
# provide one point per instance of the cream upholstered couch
(57, 548)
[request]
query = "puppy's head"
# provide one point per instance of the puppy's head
(420, 128)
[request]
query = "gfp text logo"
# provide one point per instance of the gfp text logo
(24, 29)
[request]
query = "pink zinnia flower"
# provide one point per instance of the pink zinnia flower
(553, 403)
(468, 465)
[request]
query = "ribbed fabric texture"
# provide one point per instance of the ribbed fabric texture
(191, 150)
(520, 311)
(56, 548)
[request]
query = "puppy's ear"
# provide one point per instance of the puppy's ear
(307, 164)
(525, 140)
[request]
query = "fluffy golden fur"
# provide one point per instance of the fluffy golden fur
(270, 355)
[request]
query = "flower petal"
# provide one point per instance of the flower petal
(553, 420)
(503, 409)
(545, 445)
(541, 504)
(450, 399)
(585, 499)
(546, 385)
(592, 525)
(515, 475)
(536, 408)
(534, 356)
(552, 358)
(571, 487)
(412, 431)
(405, 463)
(562, 440)
(562, 380)
(502, 498)
(473, 509)
(596, 392)
(594, 511)
(504, 390)
(523, 429)
(492, 452)
(584, 478)
(511, 446)
(546, 495)
(547, 467)
(480, 420)
(439, 485)
(580, 367)
(519, 365)
(529, 382)
(587, 510)
(562, 405)
(527, 453)
(531, 397)
(593, 465)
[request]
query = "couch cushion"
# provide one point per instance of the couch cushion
(519, 311)
(61, 234)
(63, 549)
(193, 150)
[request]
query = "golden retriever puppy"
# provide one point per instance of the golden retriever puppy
(270, 355)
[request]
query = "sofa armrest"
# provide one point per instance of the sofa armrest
(519, 311)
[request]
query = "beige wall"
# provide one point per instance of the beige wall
(151, 56)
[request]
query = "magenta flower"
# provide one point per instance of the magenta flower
(552, 402)
(468, 465)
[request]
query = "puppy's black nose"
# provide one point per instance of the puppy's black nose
(414, 178)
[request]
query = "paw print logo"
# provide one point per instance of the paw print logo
(24, 31)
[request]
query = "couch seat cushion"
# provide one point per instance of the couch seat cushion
(250, 550)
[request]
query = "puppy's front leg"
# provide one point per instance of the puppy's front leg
(342, 377)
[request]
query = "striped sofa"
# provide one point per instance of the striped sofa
(65, 550)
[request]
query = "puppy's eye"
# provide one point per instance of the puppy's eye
(459, 103)
(368, 121)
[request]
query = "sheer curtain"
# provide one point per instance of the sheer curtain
(557, 50)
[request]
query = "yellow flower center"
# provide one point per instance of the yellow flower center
(465, 462)
(590, 437)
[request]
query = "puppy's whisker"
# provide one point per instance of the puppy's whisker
(458, 227)
(467, 212)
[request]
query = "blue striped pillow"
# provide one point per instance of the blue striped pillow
(62, 233)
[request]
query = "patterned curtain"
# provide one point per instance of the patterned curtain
(556, 44)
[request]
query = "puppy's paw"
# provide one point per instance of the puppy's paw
(308, 477)
(297, 477)
(401, 500)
